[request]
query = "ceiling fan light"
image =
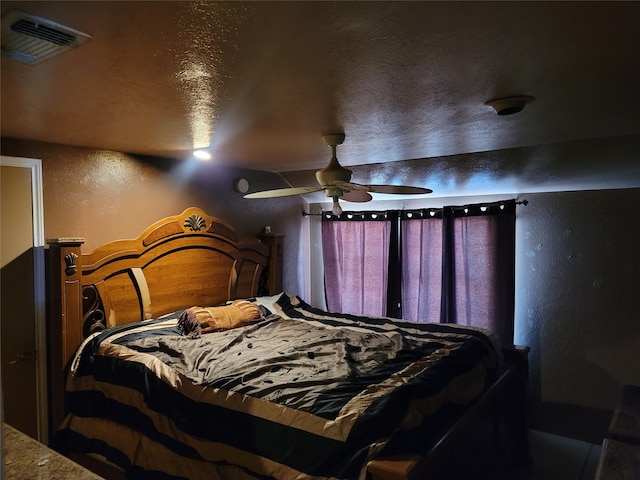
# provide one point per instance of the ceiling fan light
(336, 210)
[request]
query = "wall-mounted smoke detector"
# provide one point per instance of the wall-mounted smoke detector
(509, 105)
(30, 39)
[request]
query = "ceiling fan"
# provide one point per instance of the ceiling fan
(335, 180)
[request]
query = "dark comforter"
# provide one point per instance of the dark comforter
(301, 393)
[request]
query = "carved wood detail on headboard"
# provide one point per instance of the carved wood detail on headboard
(93, 314)
(161, 232)
(180, 261)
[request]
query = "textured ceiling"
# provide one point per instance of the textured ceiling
(260, 82)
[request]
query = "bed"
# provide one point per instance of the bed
(145, 386)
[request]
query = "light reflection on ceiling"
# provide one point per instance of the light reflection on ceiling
(259, 83)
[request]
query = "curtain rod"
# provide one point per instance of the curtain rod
(524, 202)
(307, 214)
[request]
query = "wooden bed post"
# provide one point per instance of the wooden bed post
(517, 405)
(64, 323)
(274, 241)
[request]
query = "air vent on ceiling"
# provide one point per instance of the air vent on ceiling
(30, 39)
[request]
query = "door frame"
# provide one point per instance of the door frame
(39, 291)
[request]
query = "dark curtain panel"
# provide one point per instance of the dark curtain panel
(394, 279)
(448, 292)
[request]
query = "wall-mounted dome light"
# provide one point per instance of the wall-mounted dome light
(510, 105)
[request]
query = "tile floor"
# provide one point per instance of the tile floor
(561, 458)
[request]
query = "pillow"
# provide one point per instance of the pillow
(197, 320)
(270, 302)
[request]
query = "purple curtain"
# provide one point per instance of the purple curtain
(356, 262)
(422, 268)
(452, 265)
(478, 268)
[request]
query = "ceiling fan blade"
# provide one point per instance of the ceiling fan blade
(352, 186)
(398, 189)
(356, 196)
(283, 192)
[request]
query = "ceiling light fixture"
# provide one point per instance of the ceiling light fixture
(202, 155)
(337, 209)
(510, 105)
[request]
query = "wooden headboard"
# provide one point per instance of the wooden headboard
(180, 261)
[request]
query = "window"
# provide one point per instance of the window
(453, 265)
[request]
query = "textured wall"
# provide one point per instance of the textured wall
(103, 196)
(578, 284)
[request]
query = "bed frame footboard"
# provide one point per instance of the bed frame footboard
(491, 437)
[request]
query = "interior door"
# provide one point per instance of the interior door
(22, 300)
